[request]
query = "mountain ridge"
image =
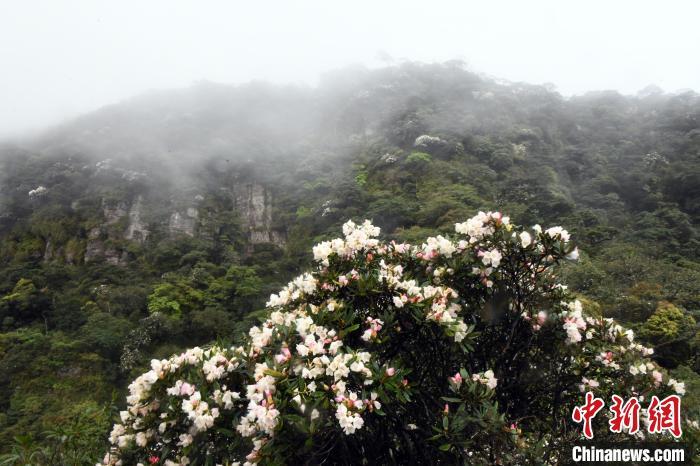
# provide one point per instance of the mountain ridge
(161, 222)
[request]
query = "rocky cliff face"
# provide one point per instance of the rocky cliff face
(183, 223)
(97, 248)
(114, 211)
(137, 229)
(128, 220)
(254, 204)
(48, 251)
(180, 222)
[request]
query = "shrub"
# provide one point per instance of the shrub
(418, 159)
(460, 350)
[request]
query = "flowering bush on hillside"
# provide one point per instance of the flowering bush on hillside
(462, 349)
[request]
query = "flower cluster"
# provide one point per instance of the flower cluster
(487, 378)
(481, 225)
(163, 409)
(357, 237)
(574, 323)
(37, 192)
(375, 325)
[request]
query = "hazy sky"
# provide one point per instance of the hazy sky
(62, 58)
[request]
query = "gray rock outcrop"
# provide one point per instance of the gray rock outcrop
(254, 205)
(137, 230)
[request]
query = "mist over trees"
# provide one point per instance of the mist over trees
(166, 221)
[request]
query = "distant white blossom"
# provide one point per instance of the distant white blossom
(37, 192)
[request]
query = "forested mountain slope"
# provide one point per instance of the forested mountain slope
(165, 221)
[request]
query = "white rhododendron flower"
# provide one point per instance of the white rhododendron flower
(678, 387)
(492, 257)
(525, 239)
(559, 232)
(573, 255)
(487, 378)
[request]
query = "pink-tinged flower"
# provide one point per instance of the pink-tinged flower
(370, 257)
(658, 377)
(153, 459)
(186, 389)
(541, 317)
(446, 411)
(284, 356)
(343, 280)
(456, 381)
(390, 372)
(372, 403)
(375, 325)
(427, 255)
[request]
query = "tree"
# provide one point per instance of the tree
(235, 289)
(672, 331)
(105, 333)
(25, 303)
(174, 298)
(463, 349)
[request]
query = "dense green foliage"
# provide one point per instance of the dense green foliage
(416, 148)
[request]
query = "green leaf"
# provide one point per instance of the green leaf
(348, 330)
(451, 399)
